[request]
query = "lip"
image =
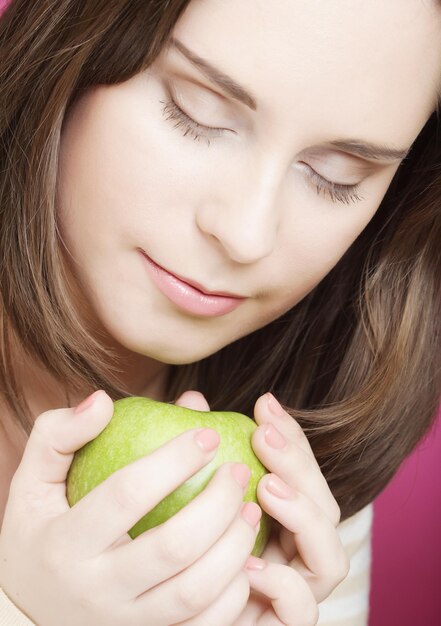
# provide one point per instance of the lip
(190, 295)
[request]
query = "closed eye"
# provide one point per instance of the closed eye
(337, 192)
(174, 112)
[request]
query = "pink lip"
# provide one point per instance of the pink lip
(189, 297)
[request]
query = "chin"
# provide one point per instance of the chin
(160, 349)
(173, 355)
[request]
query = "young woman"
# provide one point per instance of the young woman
(204, 202)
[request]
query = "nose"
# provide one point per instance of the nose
(243, 215)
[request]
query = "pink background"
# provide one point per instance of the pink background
(406, 560)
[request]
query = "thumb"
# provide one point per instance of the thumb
(193, 400)
(55, 436)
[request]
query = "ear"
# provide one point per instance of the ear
(193, 400)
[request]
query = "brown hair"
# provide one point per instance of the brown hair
(357, 362)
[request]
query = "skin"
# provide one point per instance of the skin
(250, 221)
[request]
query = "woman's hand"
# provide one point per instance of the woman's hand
(307, 559)
(77, 565)
(304, 559)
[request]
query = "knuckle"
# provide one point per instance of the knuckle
(311, 614)
(237, 594)
(43, 424)
(297, 431)
(309, 463)
(228, 495)
(125, 493)
(86, 602)
(224, 493)
(302, 463)
(46, 435)
(204, 620)
(343, 566)
(52, 561)
(316, 516)
(242, 584)
(287, 583)
(225, 505)
(192, 596)
(174, 548)
(335, 514)
(337, 569)
(289, 586)
(91, 601)
(53, 565)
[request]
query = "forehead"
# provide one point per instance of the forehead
(374, 64)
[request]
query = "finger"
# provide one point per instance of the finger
(321, 558)
(193, 400)
(55, 437)
(194, 589)
(172, 545)
(256, 605)
(292, 602)
(117, 503)
(284, 457)
(268, 409)
(227, 607)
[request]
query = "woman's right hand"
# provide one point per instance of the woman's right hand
(79, 567)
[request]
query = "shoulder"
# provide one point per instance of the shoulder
(356, 530)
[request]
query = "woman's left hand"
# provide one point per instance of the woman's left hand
(304, 559)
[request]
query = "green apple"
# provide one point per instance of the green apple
(138, 426)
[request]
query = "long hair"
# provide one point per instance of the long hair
(357, 362)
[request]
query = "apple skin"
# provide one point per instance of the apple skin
(138, 426)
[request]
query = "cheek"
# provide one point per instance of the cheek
(95, 157)
(318, 231)
(108, 184)
(125, 167)
(313, 244)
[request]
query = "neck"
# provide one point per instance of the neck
(141, 376)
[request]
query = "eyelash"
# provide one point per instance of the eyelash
(337, 192)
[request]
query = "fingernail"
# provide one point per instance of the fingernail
(274, 406)
(87, 402)
(254, 563)
(241, 474)
(273, 437)
(207, 439)
(251, 512)
(278, 488)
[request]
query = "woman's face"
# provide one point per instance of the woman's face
(238, 210)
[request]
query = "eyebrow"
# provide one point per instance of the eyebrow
(358, 147)
(216, 75)
(379, 152)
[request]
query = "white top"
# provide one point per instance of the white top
(348, 604)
